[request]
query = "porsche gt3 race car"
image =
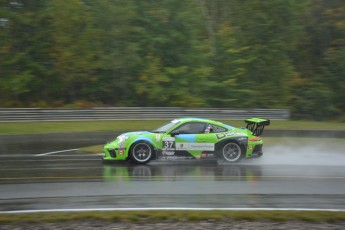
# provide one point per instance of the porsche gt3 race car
(189, 138)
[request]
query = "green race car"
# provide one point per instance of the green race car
(189, 138)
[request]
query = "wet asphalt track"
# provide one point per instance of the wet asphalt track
(75, 180)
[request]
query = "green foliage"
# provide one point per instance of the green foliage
(73, 50)
(175, 68)
(313, 101)
(319, 61)
(207, 53)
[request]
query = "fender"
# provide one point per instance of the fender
(242, 141)
(148, 141)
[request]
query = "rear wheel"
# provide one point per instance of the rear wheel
(231, 152)
(141, 152)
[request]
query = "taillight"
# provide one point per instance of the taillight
(255, 138)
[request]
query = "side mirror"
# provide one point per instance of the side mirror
(174, 133)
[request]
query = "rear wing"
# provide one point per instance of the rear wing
(257, 125)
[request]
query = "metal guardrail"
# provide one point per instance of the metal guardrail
(136, 113)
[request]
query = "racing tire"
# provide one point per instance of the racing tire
(230, 152)
(141, 152)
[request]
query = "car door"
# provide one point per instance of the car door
(192, 140)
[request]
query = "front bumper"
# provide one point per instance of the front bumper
(113, 153)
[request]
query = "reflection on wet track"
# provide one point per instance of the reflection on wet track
(77, 180)
(88, 167)
(84, 166)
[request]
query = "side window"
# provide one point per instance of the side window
(218, 129)
(192, 128)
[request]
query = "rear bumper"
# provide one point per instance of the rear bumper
(257, 151)
(258, 154)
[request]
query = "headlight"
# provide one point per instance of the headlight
(122, 138)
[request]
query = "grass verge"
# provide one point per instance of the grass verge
(93, 149)
(120, 125)
(137, 216)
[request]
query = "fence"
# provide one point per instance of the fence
(136, 113)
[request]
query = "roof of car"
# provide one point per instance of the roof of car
(194, 119)
(187, 119)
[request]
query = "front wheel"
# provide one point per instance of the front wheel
(230, 152)
(141, 152)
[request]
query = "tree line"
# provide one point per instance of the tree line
(192, 53)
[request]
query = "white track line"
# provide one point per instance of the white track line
(170, 209)
(61, 151)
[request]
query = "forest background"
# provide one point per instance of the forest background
(194, 53)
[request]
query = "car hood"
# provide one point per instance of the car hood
(136, 133)
(125, 136)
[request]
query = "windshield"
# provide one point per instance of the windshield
(166, 127)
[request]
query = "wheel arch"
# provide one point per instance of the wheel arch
(143, 140)
(242, 141)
